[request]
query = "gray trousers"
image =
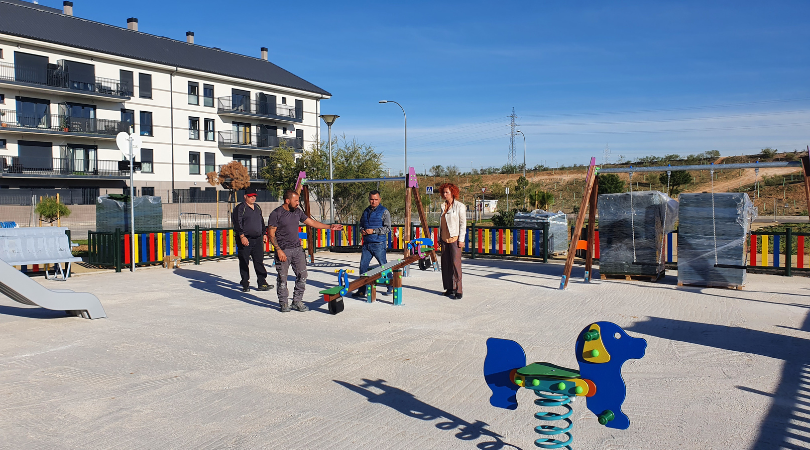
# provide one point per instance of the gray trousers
(298, 260)
(451, 266)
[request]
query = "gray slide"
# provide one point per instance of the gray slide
(20, 288)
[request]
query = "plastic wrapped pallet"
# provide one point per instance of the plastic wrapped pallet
(730, 224)
(557, 227)
(633, 244)
(115, 214)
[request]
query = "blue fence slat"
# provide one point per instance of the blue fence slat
(776, 250)
(669, 247)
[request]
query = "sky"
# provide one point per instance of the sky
(640, 78)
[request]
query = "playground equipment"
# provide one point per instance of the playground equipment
(388, 274)
(601, 350)
(590, 196)
(411, 192)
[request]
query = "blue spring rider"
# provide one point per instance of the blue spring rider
(601, 350)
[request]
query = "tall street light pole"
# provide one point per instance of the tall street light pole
(524, 152)
(330, 119)
(405, 173)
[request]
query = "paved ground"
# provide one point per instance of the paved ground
(186, 361)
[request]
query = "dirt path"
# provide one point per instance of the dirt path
(748, 177)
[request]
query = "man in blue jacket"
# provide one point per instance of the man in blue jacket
(375, 224)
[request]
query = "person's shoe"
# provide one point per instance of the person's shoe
(458, 295)
(300, 306)
(358, 294)
(245, 288)
(450, 293)
(265, 287)
(285, 308)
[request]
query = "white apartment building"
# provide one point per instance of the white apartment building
(69, 85)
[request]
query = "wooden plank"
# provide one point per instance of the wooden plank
(364, 281)
(591, 230)
(310, 235)
(406, 232)
(423, 220)
(569, 262)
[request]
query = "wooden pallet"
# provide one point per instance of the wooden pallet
(626, 277)
(719, 286)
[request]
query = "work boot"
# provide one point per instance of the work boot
(300, 306)
(458, 295)
(245, 288)
(265, 287)
(285, 308)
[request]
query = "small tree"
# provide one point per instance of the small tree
(679, 178)
(768, 153)
(50, 209)
(610, 183)
(541, 199)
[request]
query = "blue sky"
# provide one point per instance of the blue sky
(644, 77)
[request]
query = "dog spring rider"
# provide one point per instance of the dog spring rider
(601, 350)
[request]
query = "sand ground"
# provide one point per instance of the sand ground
(185, 360)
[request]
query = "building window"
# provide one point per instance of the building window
(283, 100)
(127, 82)
(210, 162)
(240, 100)
(194, 128)
(128, 119)
(1, 53)
(146, 161)
(241, 133)
(193, 93)
(144, 85)
(209, 129)
(2, 143)
(194, 163)
(244, 160)
(146, 123)
(2, 99)
(148, 191)
(208, 95)
(79, 117)
(33, 113)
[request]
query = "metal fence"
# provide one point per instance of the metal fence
(60, 123)
(57, 77)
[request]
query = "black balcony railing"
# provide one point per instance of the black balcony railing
(59, 123)
(59, 167)
(58, 78)
(229, 139)
(252, 107)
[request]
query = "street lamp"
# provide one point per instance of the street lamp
(524, 152)
(406, 133)
(330, 119)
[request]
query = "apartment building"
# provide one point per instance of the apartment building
(69, 85)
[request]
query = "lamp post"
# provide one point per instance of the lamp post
(405, 173)
(524, 152)
(330, 119)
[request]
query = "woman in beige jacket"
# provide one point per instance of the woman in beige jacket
(453, 233)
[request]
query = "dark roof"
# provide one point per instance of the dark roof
(40, 23)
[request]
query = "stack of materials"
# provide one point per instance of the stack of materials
(557, 227)
(112, 214)
(632, 234)
(730, 225)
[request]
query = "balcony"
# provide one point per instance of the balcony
(244, 141)
(226, 106)
(11, 122)
(58, 81)
(80, 168)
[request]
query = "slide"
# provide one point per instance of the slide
(20, 288)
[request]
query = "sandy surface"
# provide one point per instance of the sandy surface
(187, 361)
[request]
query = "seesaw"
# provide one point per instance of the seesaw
(388, 274)
(601, 350)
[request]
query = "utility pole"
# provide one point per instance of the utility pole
(512, 126)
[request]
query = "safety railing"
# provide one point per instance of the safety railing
(60, 79)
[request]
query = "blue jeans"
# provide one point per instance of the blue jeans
(375, 249)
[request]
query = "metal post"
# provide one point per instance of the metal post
(789, 252)
(197, 245)
(331, 185)
(473, 243)
(117, 249)
(545, 241)
(132, 201)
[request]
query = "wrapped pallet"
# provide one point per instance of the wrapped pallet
(557, 227)
(112, 214)
(632, 232)
(714, 235)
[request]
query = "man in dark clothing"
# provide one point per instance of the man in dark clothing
(248, 225)
(375, 224)
(283, 231)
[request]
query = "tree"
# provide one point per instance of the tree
(610, 183)
(520, 191)
(768, 152)
(540, 199)
(51, 209)
(679, 178)
(437, 171)
(355, 160)
(236, 173)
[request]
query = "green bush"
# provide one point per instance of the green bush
(50, 209)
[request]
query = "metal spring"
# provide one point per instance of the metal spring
(552, 433)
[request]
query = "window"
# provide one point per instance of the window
(81, 76)
(208, 95)
(241, 133)
(148, 190)
(81, 118)
(128, 119)
(283, 100)
(146, 161)
(146, 123)
(209, 129)
(194, 163)
(210, 162)
(1, 53)
(194, 128)
(240, 100)
(79, 159)
(2, 143)
(30, 68)
(145, 85)
(2, 99)
(127, 83)
(244, 160)
(193, 93)
(33, 112)
(35, 155)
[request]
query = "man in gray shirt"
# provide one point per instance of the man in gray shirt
(283, 231)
